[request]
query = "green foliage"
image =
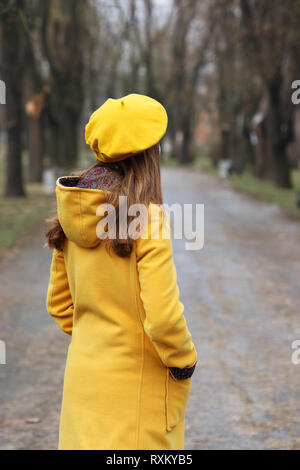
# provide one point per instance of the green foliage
(203, 163)
(264, 190)
(268, 192)
(19, 214)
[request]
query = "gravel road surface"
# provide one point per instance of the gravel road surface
(242, 304)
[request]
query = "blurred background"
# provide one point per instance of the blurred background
(228, 72)
(223, 69)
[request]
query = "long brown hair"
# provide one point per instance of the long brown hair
(140, 182)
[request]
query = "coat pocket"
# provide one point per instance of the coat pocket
(177, 394)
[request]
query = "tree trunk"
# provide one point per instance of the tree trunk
(12, 54)
(51, 143)
(282, 169)
(14, 174)
(70, 140)
(64, 26)
(34, 97)
(64, 144)
(225, 141)
(186, 150)
(278, 163)
(35, 149)
(260, 152)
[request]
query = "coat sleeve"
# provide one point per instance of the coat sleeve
(164, 321)
(59, 299)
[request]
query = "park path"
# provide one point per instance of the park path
(242, 303)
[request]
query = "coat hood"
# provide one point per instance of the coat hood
(76, 209)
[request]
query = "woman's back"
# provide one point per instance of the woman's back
(121, 306)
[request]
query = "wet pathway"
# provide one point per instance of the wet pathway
(242, 299)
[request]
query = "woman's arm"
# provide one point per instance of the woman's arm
(164, 322)
(59, 299)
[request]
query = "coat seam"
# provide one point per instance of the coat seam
(139, 398)
(142, 361)
(54, 279)
(81, 218)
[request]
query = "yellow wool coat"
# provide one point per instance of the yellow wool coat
(127, 327)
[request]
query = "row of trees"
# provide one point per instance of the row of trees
(256, 52)
(235, 59)
(42, 64)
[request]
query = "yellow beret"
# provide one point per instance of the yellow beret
(126, 126)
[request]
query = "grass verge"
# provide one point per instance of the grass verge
(268, 192)
(18, 215)
(263, 190)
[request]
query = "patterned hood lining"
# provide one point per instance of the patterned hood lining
(69, 181)
(99, 177)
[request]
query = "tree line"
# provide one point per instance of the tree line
(235, 60)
